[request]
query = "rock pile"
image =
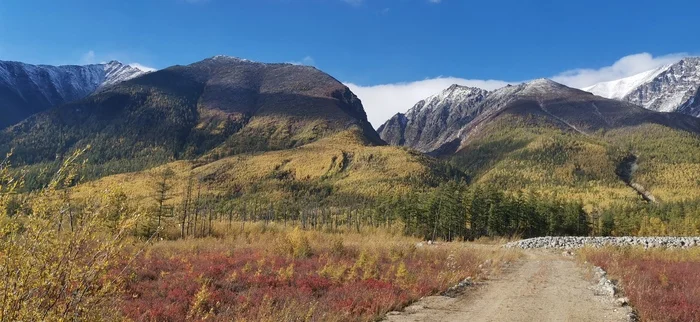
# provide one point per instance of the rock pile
(608, 288)
(578, 242)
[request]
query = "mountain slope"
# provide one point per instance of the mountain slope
(449, 122)
(545, 137)
(669, 88)
(338, 170)
(213, 108)
(618, 89)
(572, 109)
(28, 89)
(434, 121)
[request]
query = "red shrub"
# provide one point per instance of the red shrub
(255, 284)
(661, 286)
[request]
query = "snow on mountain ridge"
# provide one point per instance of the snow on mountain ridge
(87, 78)
(449, 96)
(441, 120)
(233, 58)
(670, 88)
(430, 121)
(27, 89)
(116, 72)
(618, 89)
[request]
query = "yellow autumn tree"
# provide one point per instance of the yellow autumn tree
(53, 274)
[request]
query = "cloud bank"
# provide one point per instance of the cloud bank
(383, 101)
(623, 67)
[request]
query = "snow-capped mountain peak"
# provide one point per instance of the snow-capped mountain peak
(435, 119)
(669, 88)
(116, 72)
(231, 58)
(618, 89)
(541, 85)
(453, 95)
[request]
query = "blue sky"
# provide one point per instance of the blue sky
(412, 47)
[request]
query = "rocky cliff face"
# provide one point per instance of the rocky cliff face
(692, 106)
(435, 120)
(671, 89)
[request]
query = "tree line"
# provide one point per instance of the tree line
(451, 211)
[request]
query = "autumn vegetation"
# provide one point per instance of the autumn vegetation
(106, 256)
(265, 272)
(661, 284)
(55, 261)
(322, 231)
(527, 155)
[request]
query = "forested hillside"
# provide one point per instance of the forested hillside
(214, 108)
(337, 183)
(558, 143)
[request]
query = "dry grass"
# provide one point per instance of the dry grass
(662, 285)
(272, 273)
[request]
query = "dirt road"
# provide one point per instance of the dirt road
(543, 287)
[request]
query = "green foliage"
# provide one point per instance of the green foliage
(455, 211)
(679, 218)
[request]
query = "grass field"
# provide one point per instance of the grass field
(272, 273)
(662, 285)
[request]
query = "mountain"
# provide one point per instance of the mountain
(213, 108)
(670, 88)
(434, 120)
(546, 137)
(571, 109)
(444, 122)
(28, 89)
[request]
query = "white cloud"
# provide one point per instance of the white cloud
(383, 101)
(623, 67)
(88, 58)
(307, 61)
(434, 1)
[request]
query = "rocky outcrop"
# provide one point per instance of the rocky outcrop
(692, 106)
(434, 121)
(670, 88)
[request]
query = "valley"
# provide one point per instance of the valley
(228, 189)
